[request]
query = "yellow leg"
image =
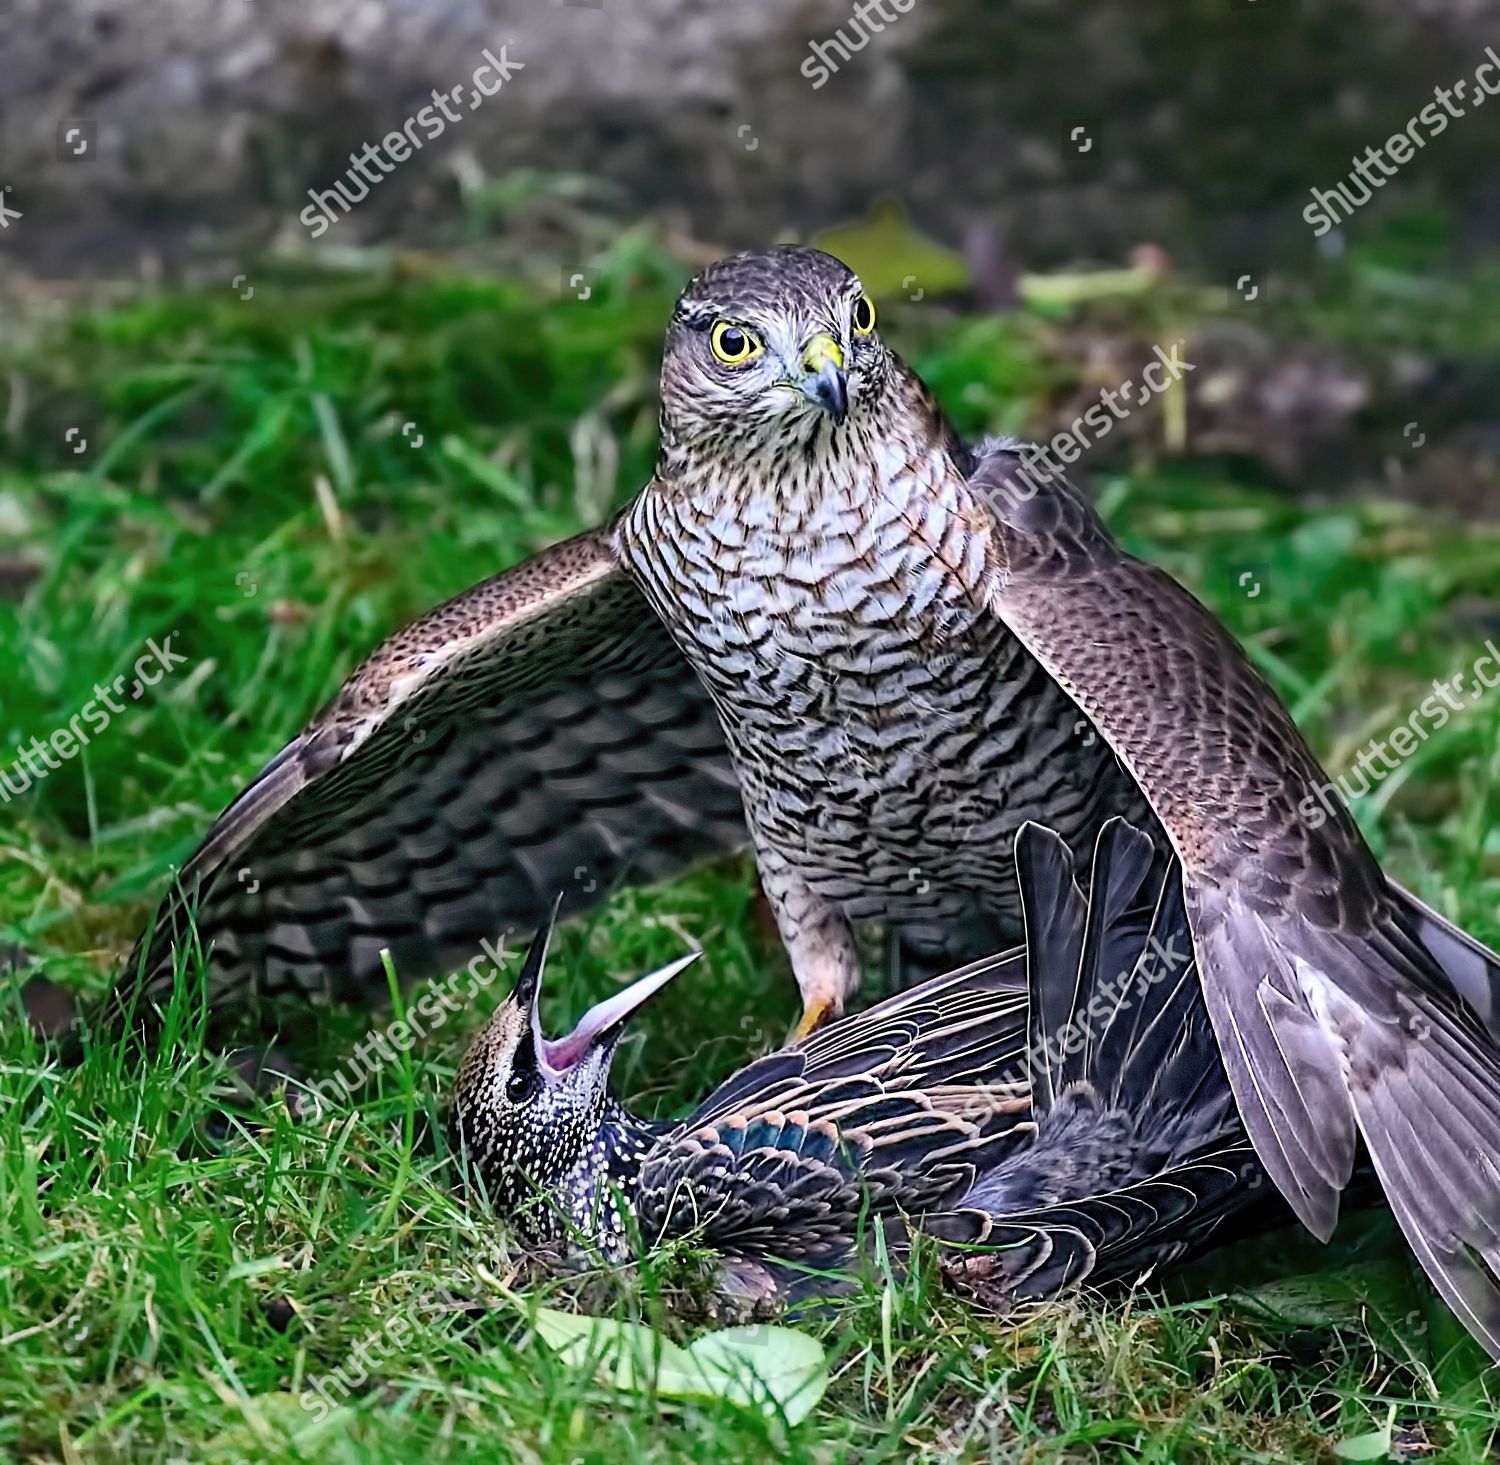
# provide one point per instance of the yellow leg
(816, 1012)
(819, 942)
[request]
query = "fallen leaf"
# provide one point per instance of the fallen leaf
(776, 1370)
(1373, 1446)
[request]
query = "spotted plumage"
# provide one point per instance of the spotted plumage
(536, 1119)
(829, 619)
(1031, 1101)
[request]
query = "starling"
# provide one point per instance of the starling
(830, 623)
(1033, 1110)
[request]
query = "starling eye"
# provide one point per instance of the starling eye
(864, 316)
(733, 344)
(524, 1080)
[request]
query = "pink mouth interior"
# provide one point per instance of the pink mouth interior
(561, 1054)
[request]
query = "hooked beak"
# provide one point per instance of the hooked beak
(826, 382)
(599, 1029)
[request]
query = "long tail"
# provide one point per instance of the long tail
(1139, 1156)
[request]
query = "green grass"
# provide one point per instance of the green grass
(167, 1294)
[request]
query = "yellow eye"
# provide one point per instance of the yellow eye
(864, 316)
(733, 344)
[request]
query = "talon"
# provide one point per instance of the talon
(817, 1012)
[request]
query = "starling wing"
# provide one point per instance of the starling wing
(539, 733)
(1335, 1016)
(898, 1106)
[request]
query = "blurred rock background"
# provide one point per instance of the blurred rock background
(1207, 122)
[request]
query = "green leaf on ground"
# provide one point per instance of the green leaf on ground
(1376, 1445)
(767, 1368)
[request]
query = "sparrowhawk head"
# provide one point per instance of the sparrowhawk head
(771, 350)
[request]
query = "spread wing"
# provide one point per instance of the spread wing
(964, 1031)
(1334, 1015)
(538, 734)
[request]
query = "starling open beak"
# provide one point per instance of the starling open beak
(599, 1029)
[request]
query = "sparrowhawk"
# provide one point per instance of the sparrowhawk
(829, 620)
